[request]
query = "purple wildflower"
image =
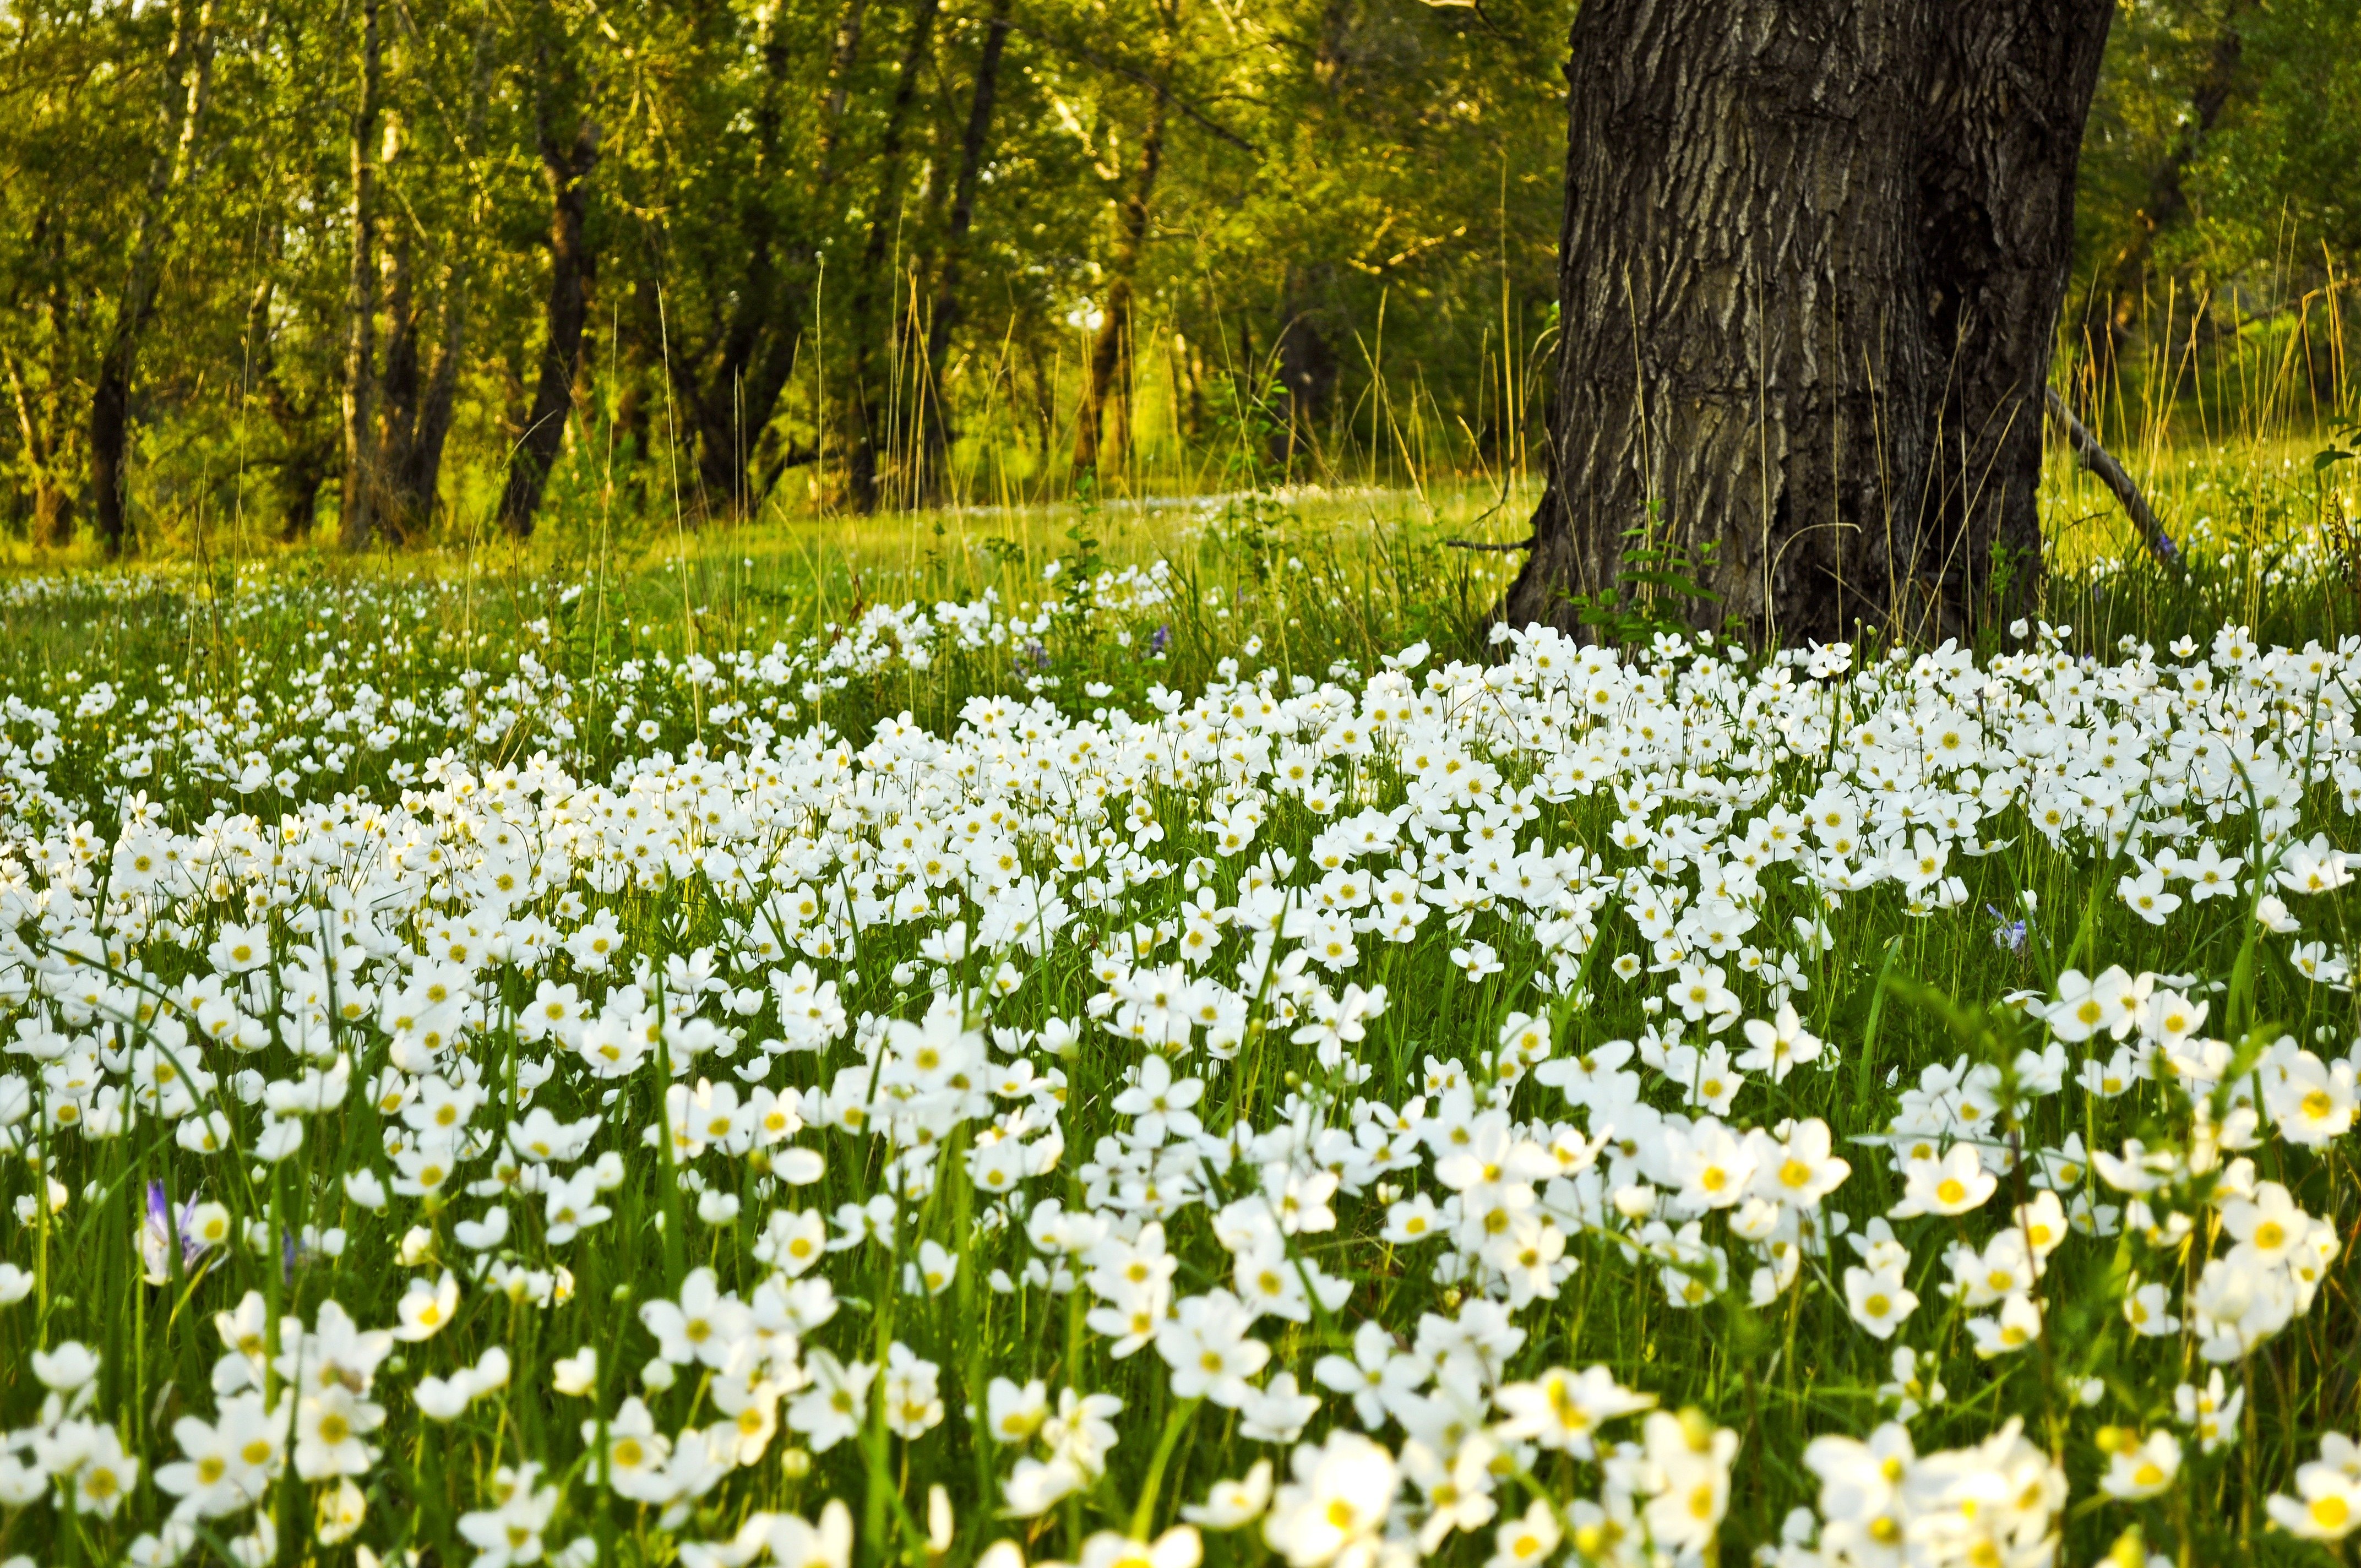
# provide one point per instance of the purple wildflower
(157, 1231)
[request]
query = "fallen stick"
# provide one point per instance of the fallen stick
(2100, 463)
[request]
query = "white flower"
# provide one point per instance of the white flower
(510, 1533)
(913, 1405)
(1176, 1548)
(832, 1406)
(2140, 1467)
(577, 1373)
(1878, 1299)
(1779, 1047)
(1528, 1541)
(1955, 1184)
(2327, 1501)
(1563, 1410)
(329, 1428)
(1209, 1350)
(66, 1368)
(2210, 1416)
(2014, 1326)
(105, 1473)
(1232, 1504)
(1691, 1458)
(425, 1309)
(1333, 1510)
(1278, 1412)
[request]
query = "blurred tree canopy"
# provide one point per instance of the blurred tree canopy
(400, 268)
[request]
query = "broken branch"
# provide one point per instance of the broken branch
(2098, 462)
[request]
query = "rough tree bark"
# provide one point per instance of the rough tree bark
(973, 145)
(135, 307)
(356, 519)
(872, 288)
(566, 167)
(1810, 271)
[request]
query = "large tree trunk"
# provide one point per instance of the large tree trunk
(873, 290)
(564, 167)
(167, 173)
(357, 519)
(973, 145)
(1809, 277)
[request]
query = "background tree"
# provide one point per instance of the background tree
(794, 256)
(187, 86)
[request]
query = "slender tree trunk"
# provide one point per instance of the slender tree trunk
(420, 402)
(1810, 271)
(401, 384)
(52, 519)
(413, 474)
(2008, 92)
(639, 362)
(2117, 300)
(728, 388)
(1308, 369)
(168, 174)
(52, 512)
(1308, 364)
(309, 444)
(872, 288)
(973, 145)
(356, 521)
(1110, 349)
(415, 482)
(842, 53)
(566, 167)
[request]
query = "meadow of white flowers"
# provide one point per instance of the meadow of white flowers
(1571, 1108)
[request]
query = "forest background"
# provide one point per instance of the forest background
(386, 273)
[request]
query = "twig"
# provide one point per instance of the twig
(2100, 464)
(1474, 544)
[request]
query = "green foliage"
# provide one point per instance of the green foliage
(1348, 273)
(777, 260)
(1659, 588)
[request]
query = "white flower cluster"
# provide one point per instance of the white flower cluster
(380, 694)
(1309, 1062)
